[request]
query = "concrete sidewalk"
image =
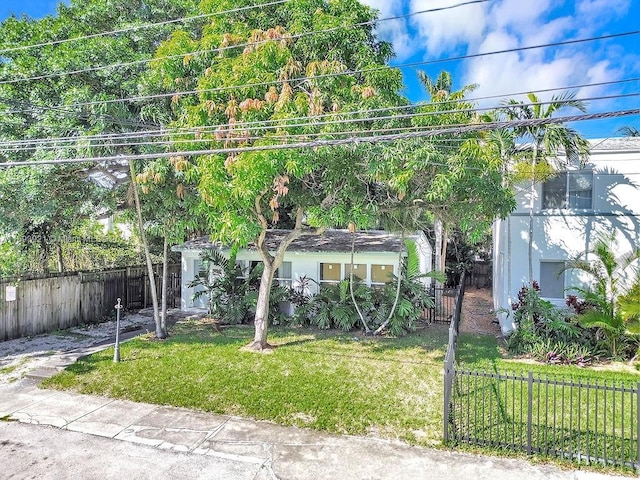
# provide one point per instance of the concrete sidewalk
(246, 448)
(261, 449)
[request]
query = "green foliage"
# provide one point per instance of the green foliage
(547, 333)
(333, 306)
(255, 96)
(612, 304)
(46, 202)
(414, 299)
(231, 292)
(459, 182)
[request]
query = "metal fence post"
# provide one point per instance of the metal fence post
(447, 399)
(116, 349)
(638, 426)
(530, 414)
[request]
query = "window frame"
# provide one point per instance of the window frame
(323, 282)
(375, 283)
(565, 202)
(281, 279)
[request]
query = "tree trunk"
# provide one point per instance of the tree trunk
(531, 209)
(443, 255)
(438, 264)
(437, 227)
(262, 307)
(165, 280)
(59, 257)
(397, 297)
(152, 278)
(353, 297)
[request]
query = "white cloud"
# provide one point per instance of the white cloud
(394, 31)
(447, 29)
(513, 24)
(595, 9)
(522, 16)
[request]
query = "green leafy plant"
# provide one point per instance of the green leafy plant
(333, 307)
(547, 333)
(231, 292)
(607, 290)
(413, 298)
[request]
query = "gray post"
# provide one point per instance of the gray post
(530, 413)
(447, 398)
(638, 426)
(116, 350)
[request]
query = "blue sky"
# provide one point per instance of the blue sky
(499, 25)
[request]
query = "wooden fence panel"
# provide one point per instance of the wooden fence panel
(62, 301)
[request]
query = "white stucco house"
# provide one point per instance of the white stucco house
(324, 258)
(569, 210)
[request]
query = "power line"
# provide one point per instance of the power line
(235, 46)
(246, 127)
(187, 130)
(138, 27)
(336, 142)
(329, 75)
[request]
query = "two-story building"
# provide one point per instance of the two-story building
(603, 195)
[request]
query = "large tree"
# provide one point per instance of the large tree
(266, 77)
(50, 91)
(61, 81)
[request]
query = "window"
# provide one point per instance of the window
(551, 279)
(283, 275)
(381, 274)
(568, 190)
(199, 300)
(330, 273)
(359, 270)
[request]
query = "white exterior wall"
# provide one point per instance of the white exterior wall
(306, 264)
(560, 234)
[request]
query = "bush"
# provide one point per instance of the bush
(547, 333)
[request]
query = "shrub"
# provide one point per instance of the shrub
(547, 333)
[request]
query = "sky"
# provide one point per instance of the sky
(478, 28)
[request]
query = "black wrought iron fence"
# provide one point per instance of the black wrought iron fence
(582, 420)
(444, 299)
(579, 420)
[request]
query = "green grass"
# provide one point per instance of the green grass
(331, 381)
(8, 370)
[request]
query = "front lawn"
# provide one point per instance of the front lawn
(332, 381)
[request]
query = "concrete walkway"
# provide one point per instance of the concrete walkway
(241, 448)
(260, 450)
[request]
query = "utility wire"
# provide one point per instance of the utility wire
(335, 142)
(138, 27)
(329, 75)
(240, 128)
(176, 131)
(230, 47)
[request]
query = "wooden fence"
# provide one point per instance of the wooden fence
(34, 305)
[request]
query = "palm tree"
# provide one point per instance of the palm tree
(544, 142)
(630, 131)
(614, 307)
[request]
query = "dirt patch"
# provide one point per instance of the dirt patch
(477, 312)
